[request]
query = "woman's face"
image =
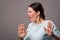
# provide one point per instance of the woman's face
(32, 14)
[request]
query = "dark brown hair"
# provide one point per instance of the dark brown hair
(36, 6)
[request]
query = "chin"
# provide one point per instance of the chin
(31, 20)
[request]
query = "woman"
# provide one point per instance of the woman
(39, 28)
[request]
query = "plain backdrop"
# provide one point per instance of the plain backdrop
(14, 12)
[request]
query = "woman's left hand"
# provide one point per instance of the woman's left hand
(49, 30)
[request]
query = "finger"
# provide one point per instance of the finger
(21, 31)
(26, 31)
(21, 28)
(18, 28)
(44, 28)
(21, 25)
(49, 25)
(49, 30)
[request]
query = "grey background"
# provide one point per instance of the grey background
(14, 12)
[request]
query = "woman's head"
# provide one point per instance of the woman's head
(34, 10)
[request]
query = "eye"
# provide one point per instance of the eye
(29, 11)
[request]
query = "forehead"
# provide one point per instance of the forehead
(30, 9)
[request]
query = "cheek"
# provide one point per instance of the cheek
(33, 15)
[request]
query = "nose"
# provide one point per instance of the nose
(28, 14)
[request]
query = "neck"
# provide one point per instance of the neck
(39, 20)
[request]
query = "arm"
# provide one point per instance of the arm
(56, 37)
(56, 33)
(21, 38)
(52, 31)
(21, 32)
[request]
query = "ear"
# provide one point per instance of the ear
(38, 13)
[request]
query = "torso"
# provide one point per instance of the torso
(37, 32)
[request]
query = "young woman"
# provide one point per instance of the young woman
(39, 28)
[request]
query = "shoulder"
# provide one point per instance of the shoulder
(32, 23)
(49, 21)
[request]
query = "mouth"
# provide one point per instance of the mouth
(29, 17)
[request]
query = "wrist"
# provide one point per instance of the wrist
(52, 34)
(21, 38)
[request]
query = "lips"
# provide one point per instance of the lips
(29, 17)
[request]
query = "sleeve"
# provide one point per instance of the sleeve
(27, 35)
(29, 27)
(55, 30)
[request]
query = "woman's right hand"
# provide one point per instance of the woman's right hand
(21, 32)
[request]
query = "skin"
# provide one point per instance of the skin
(34, 17)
